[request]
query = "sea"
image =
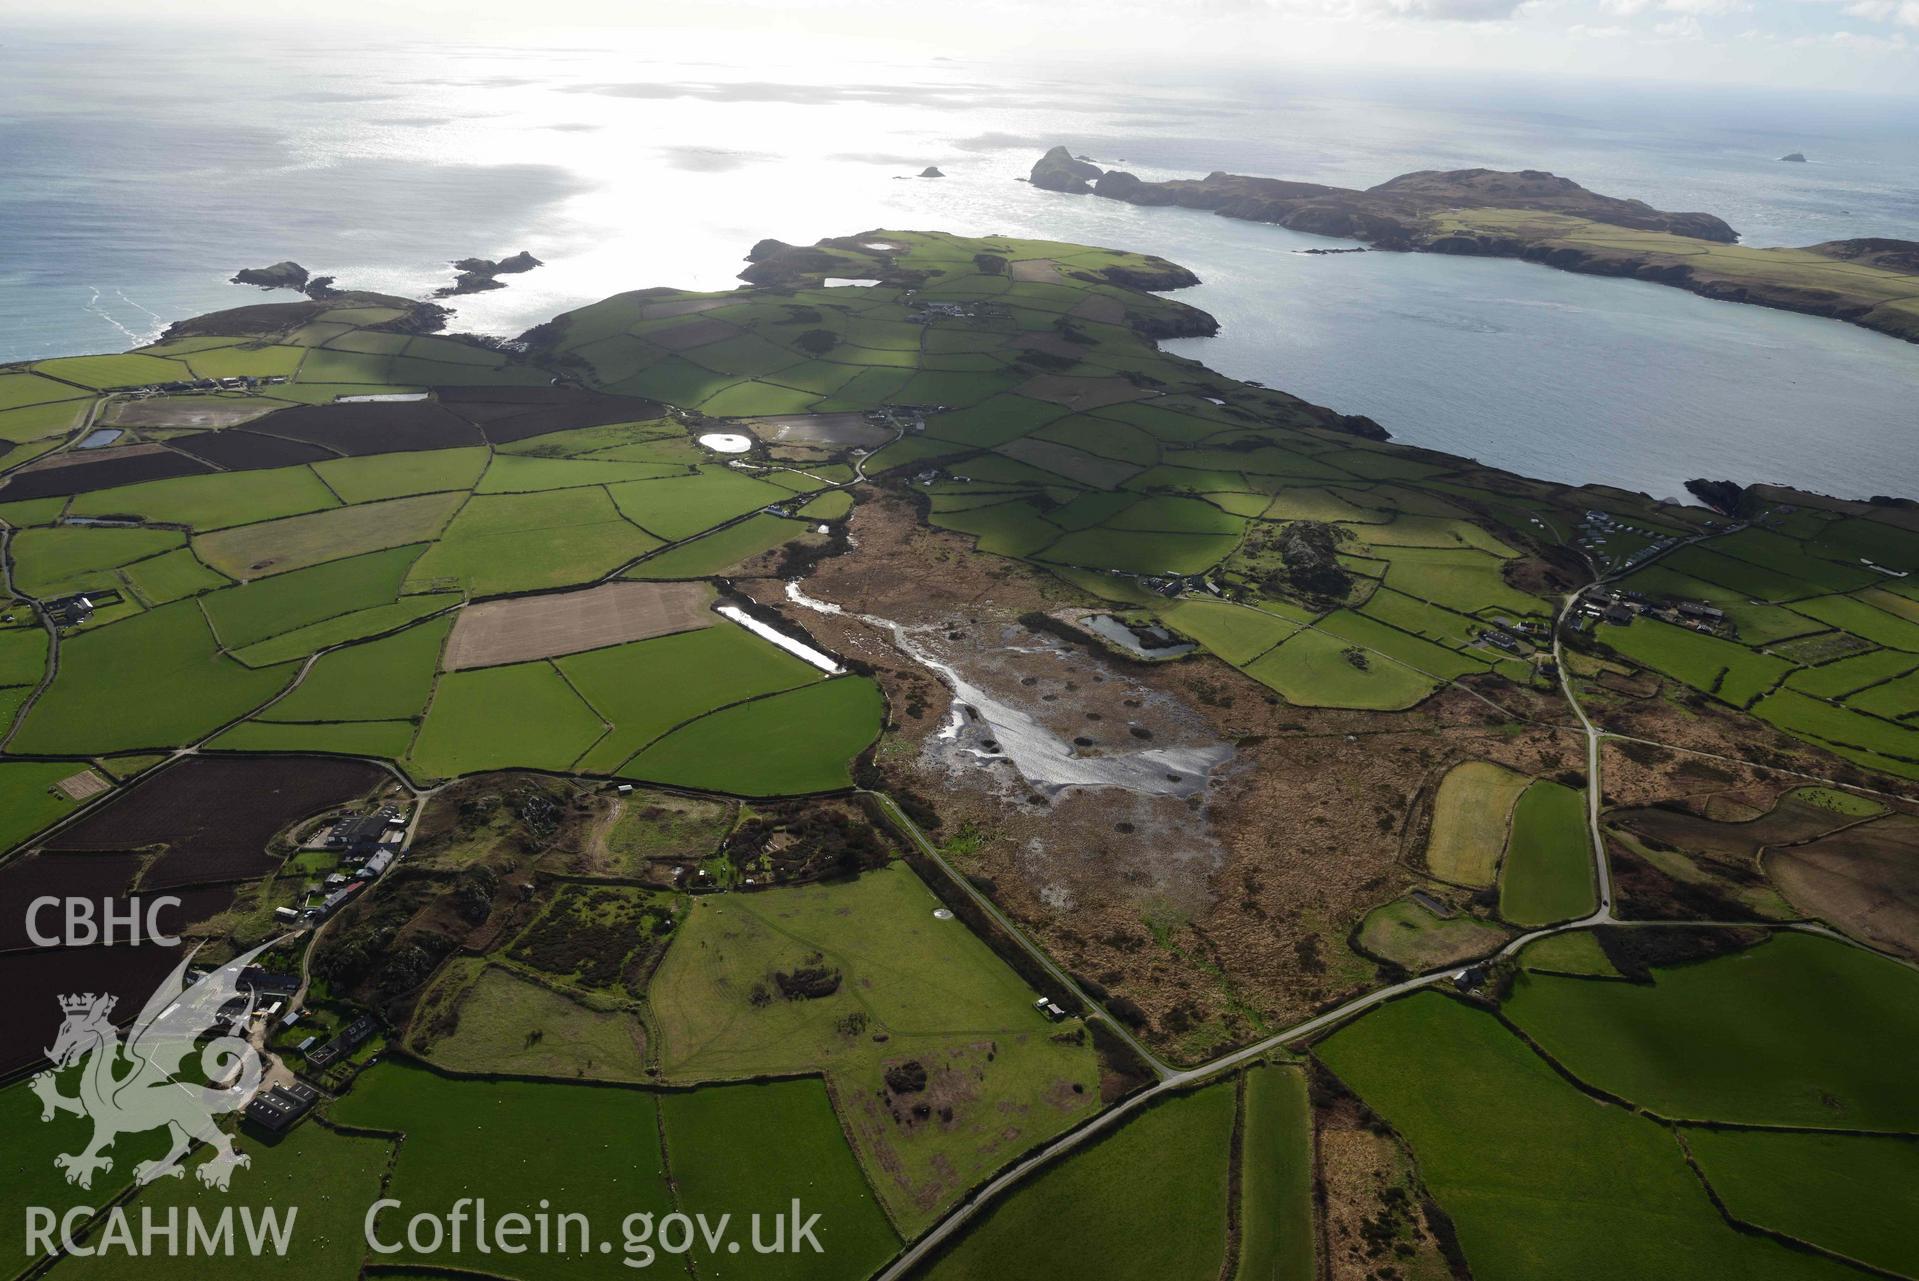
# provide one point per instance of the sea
(141, 172)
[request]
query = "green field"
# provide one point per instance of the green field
(720, 550)
(933, 990)
(1547, 875)
(1800, 1030)
(1144, 1203)
(1313, 669)
(782, 745)
(186, 689)
(331, 1179)
(512, 1025)
(751, 1149)
(520, 542)
(1277, 1238)
(495, 717)
(213, 502)
(597, 1152)
(1539, 1179)
(1728, 671)
(386, 679)
(27, 799)
(74, 558)
(1410, 936)
(583, 1149)
(648, 688)
(376, 476)
(1855, 1195)
(268, 607)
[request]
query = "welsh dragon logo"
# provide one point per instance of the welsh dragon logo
(130, 1088)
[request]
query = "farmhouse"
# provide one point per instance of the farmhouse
(350, 1038)
(68, 610)
(357, 836)
(265, 982)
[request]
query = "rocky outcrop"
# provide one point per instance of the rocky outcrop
(476, 275)
(1724, 496)
(1173, 320)
(1360, 425)
(931, 171)
(275, 320)
(281, 275)
(1794, 157)
(1873, 251)
(1057, 170)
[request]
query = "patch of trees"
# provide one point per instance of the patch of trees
(808, 844)
(906, 1078)
(1636, 952)
(596, 934)
(1310, 549)
(807, 982)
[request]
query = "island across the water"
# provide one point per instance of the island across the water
(1872, 281)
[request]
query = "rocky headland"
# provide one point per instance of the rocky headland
(1544, 218)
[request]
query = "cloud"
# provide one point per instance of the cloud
(1903, 12)
(1682, 28)
(1454, 10)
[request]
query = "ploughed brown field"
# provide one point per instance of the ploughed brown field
(529, 627)
(215, 815)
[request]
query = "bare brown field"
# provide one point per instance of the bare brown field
(82, 785)
(529, 627)
(1039, 271)
(1100, 309)
(189, 411)
(1864, 880)
(831, 430)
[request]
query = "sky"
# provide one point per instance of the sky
(1849, 45)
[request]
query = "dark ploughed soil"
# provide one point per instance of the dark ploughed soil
(507, 414)
(216, 815)
(238, 450)
(31, 984)
(99, 473)
(379, 427)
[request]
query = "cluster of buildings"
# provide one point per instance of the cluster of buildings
(1596, 528)
(275, 1110)
(77, 609)
(344, 1042)
(1516, 638)
(368, 844)
(1620, 607)
(202, 384)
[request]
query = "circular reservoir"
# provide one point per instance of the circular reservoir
(727, 442)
